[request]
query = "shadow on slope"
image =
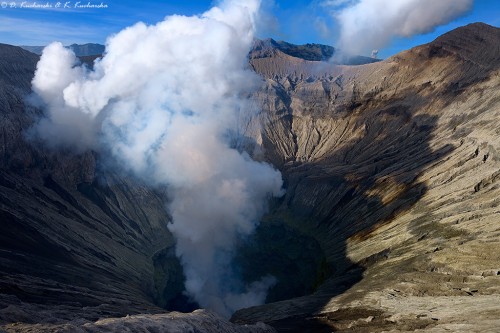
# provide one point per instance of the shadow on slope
(355, 162)
(368, 176)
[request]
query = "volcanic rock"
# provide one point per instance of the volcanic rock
(392, 168)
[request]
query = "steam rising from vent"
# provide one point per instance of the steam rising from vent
(371, 24)
(165, 101)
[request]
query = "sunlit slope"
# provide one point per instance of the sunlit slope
(394, 168)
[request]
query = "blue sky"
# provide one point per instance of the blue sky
(295, 21)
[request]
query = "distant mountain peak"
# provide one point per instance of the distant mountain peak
(88, 49)
(473, 41)
(311, 52)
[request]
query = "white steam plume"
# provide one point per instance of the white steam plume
(371, 24)
(164, 101)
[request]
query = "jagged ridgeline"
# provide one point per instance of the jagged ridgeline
(390, 219)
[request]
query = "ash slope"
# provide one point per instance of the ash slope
(394, 167)
(73, 244)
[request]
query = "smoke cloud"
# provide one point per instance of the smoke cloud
(165, 102)
(371, 24)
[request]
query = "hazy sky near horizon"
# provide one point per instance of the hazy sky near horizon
(295, 21)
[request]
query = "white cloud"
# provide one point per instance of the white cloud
(163, 101)
(371, 24)
(322, 28)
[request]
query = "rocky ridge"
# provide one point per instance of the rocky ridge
(172, 322)
(269, 48)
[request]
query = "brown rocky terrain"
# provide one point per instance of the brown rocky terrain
(394, 168)
(391, 168)
(172, 322)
